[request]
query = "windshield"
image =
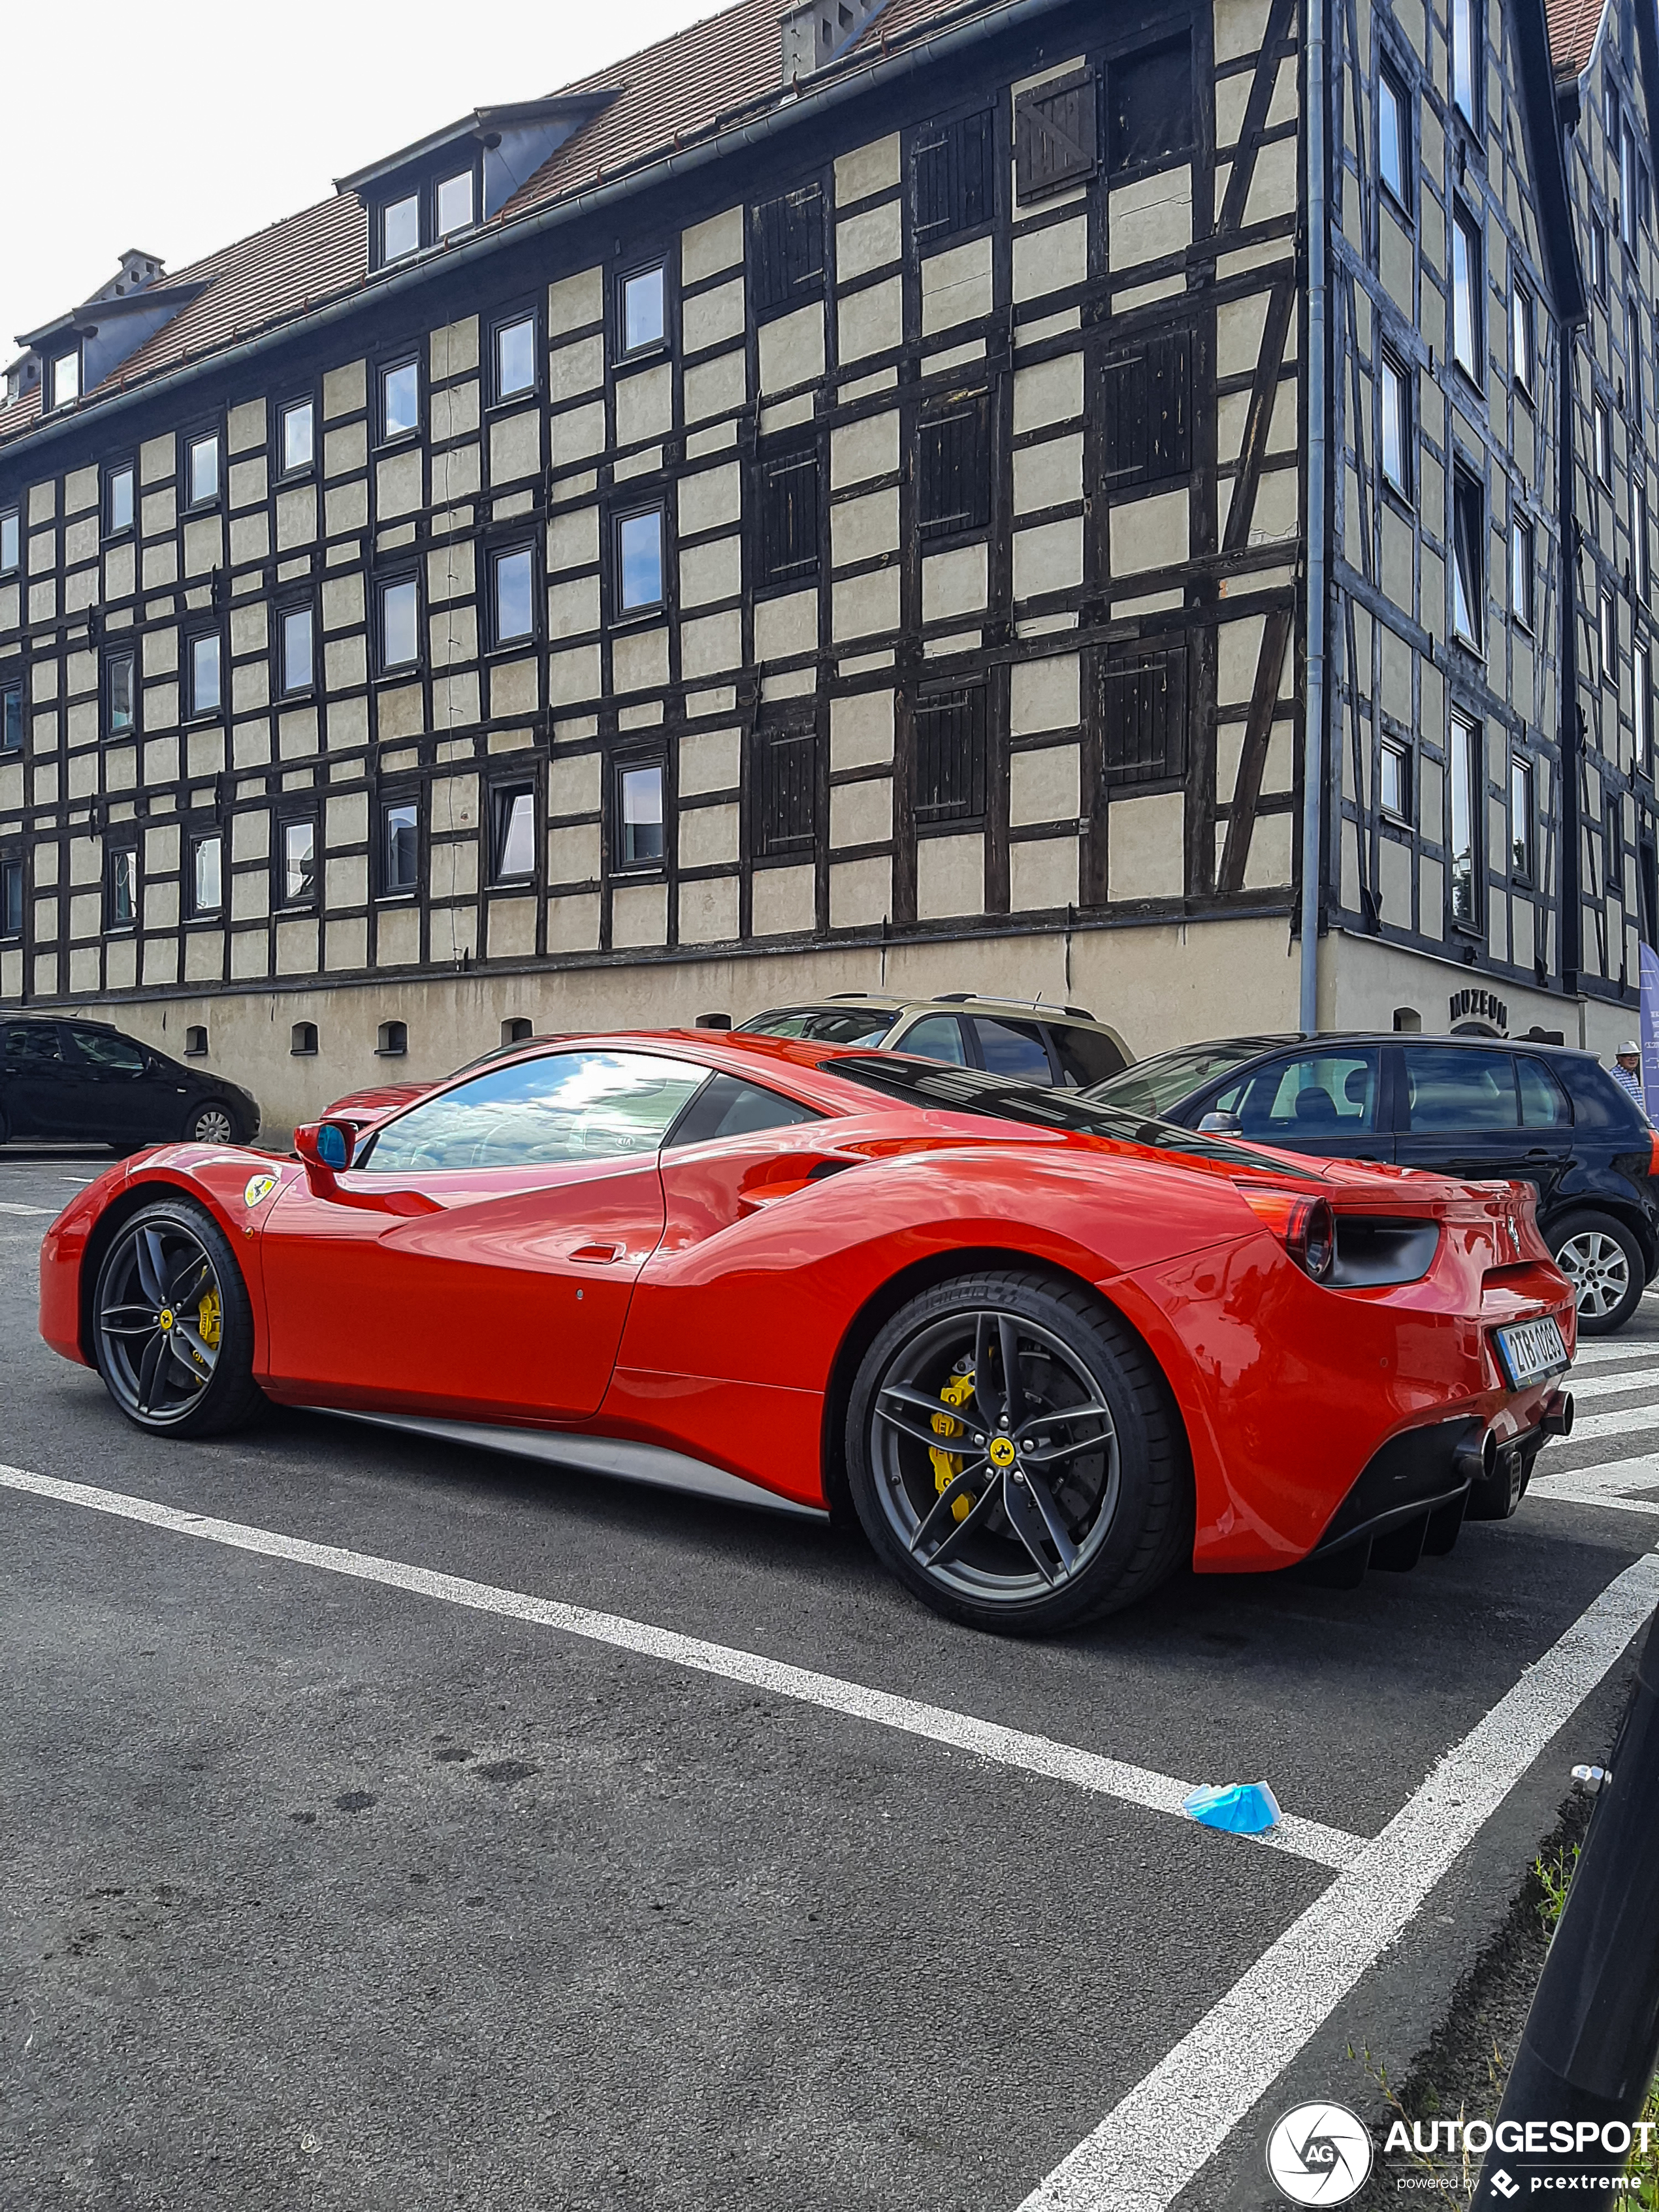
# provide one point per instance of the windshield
(1153, 1086)
(925, 1083)
(825, 1024)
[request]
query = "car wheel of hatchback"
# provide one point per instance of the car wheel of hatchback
(1015, 1457)
(210, 1124)
(173, 1330)
(1603, 1262)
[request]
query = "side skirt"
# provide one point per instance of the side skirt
(626, 1463)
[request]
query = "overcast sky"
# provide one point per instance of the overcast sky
(177, 126)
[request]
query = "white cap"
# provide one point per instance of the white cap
(1630, 1051)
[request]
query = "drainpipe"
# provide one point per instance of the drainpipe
(1313, 751)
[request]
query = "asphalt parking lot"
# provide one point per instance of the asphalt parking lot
(389, 1825)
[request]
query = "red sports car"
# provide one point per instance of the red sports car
(1046, 1351)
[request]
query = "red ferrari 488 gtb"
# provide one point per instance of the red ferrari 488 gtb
(1046, 1351)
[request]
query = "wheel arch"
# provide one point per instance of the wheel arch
(103, 1232)
(1630, 1217)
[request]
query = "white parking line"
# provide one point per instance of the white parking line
(1622, 1420)
(1005, 1747)
(8, 1206)
(1149, 2147)
(1608, 1386)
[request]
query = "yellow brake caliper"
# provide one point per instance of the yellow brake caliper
(209, 1318)
(947, 1465)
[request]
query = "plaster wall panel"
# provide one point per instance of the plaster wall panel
(1051, 259)
(792, 350)
(708, 248)
(1146, 856)
(863, 449)
(713, 318)
(957, 286)
(645, 404)
(783, 902)
(1043, 874)
(867, 169)
(573, 302)
(576, 367)
(871, 321)
(949, 877)
(716, 387)
(709, 912)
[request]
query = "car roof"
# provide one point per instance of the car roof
(1337, 1040)
(1040, 1009)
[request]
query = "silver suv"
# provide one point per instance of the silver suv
(1061, 1046)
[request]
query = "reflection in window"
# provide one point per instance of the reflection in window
(639, 559)
(205, 885)
(1392, 140)
(1324, 1094)
(1396, 425)
(516, 614)
(937, 1038)
(1465, 781)
(1521, 817)
(1523, 337)
(117, 502)
(515, 833)
(203, 470)
(1453, 1089)
(399, 632)
(11, 534)
(400, 227)
(296, 649)
(298, 863)
(562, 1107)
(1394, 781)
(1464, 59)
(11, 718)
(400, 400)
(11, 898)
(122, 887)
(728, 1107)
(1469, 570)
(515, 357)
(299, 437)
(121, 688)
(643, 318)
(1466, 294)
(400, 846)
(823, 1025)
(455, 204)
(65, 379)
(204, 693)
(640, 794)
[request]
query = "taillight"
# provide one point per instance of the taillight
(1653, 1163)
(1306, 1227)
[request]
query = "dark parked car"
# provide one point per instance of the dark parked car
(86, 1081)
(1477, 1108)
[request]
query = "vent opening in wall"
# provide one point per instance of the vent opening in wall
(517, 1031)
(394, 1041)
(1407, 1018)
(302, 1040)
(196, 1042)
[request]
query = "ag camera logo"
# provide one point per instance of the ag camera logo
(1320, 2153)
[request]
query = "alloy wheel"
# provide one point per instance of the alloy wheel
(212, 1126)
(995, 1456)
(1596, 1265)
(160, 1321)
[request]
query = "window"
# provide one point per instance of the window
(1454, 1088)
(786, 248)
(102, 1048)
(512, 846)
(950, 755)
(11, 535)
(1463, 854)
(1614, 836)
(1609, 637)
(1601, 421)
(638, 815)
(205, 687)
(118, 500)
(953, 177)
(294, 634)
(393, 1041)
(1544, 1104)
(121, 693)
(206, 877)
(517, 1029)
(11, 718)
(1521, 570)
(202, 469)
(66, 379)
(1642, 700)
(1333, 1093)
(400, 624)
(1146, 400)
(299, 857)
(11, 898)
(784, 812)
(121, 888)
(644, 310)
(1394, 136)
(455, 202)
(1627, 185)
(937, 1036)
(1468, 567)
(1598, 256)
(196, 1040)
(1054, 136)
(513, 593)
(639, 560)
(302, 1040)
(727, 1106)
(1150, 99)
(297, 436)
(789, 513)
(575, 1106)
(1521, 818)
(1394, 444)
(1523, 326)
(1638, 534)
(400, 400)
(953, 472)
(515, 357)
(1393, 780)
(1144, 715)
(400, 226)
(400, 846)
(1465, 59)
(1466, 292)
(1015, 1049)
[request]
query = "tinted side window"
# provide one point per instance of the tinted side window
(726, 1106)
(1013, 1048)
(566, 1106)
(1543, 1104)
(1085, 1056)
(29, 1044)
(1453, 1090)
(101, 1049)
(1332, 1094)
(937, 1037)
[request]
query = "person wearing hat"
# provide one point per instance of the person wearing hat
(1627, 1072)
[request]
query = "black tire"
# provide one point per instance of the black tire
(1117, 1475)
(179, 1363)
(1603, 1262)
(6, 1127)
(210, 1123)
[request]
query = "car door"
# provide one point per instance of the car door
(1460, 1115)
(934, 1037)
(39, 1095)
(1012, 1048)
(125, 1101)
(1327, 1100)
(479, 1260)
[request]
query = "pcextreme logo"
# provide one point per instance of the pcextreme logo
(1320, 2153)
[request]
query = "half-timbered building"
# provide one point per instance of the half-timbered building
(910, 500)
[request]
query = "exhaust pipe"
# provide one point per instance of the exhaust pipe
(1478, 1463)
(1557, 1419)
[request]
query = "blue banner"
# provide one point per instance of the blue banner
(1651, 1031)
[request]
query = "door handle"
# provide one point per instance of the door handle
(598, 1253)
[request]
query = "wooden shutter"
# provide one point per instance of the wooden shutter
(950, 754)
(951, 177)
(789, 513)
(953, 467)
(786, 248)
(784, 795)
(1143, 714)
(1146, 410)
(1054, 136)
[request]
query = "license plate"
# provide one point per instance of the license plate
(1531, 1350)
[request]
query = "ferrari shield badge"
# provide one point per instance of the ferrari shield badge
(259, 1188)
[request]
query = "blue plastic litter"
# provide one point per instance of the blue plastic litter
(1243, 1808)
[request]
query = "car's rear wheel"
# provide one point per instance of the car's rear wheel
(210, 1125)
(172, 1327)
(1603, 1261)
(1014, 1455)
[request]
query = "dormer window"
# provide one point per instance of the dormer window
(400, 227)
(455, 202)
(65, 377)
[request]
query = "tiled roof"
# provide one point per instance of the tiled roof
(715, 73)
(1573, 25)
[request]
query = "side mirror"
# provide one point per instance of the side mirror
(1221, 1125)
(327, 1148)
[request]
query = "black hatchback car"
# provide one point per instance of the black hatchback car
(1480, 1108)
(81, 1080)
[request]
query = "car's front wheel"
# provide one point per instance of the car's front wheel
(1014, 1455)
(1603, 1261)
(210, 1125)
(172, 1327)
